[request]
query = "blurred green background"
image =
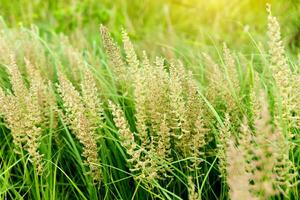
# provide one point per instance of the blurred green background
(158, 24)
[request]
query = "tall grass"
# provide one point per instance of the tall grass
(107, 123)
(167, 23)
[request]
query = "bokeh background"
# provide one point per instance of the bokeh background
(162, 25)
(183, 29)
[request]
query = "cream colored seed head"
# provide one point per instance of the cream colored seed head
(193, 195)
(263, 161)
(82, 123)
(131, 56)
(114, 54)
(238, 178)
(90, 97)
(24, 116)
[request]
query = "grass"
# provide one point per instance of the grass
(170, 23)
(163, 129)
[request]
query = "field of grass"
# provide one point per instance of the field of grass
(149, 100)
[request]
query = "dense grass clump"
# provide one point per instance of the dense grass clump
(108, 123)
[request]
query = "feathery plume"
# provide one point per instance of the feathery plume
(177, 103)
(285, 106)
(43, 92)
(163, 148)
(164, 140)
(16, 79)
(114, 54)
(157, 106)
(285, 170)
(83, 126)
(126, 136)
(263, 151)
(222, 145)
(157, 88)
(141, 104)
(197, 125)
(238, 177)
(197, 142)
(266, 155)
(140, 161)
(131, 56)
(193, 195)
(24, 116)
(285, 80)
(91, 100)
(276, 49)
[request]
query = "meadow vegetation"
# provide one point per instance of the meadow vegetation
(100, 121)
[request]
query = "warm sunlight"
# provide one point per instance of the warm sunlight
(149, 99)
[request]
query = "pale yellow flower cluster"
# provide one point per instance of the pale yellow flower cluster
(83, 115)
(168, 112)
